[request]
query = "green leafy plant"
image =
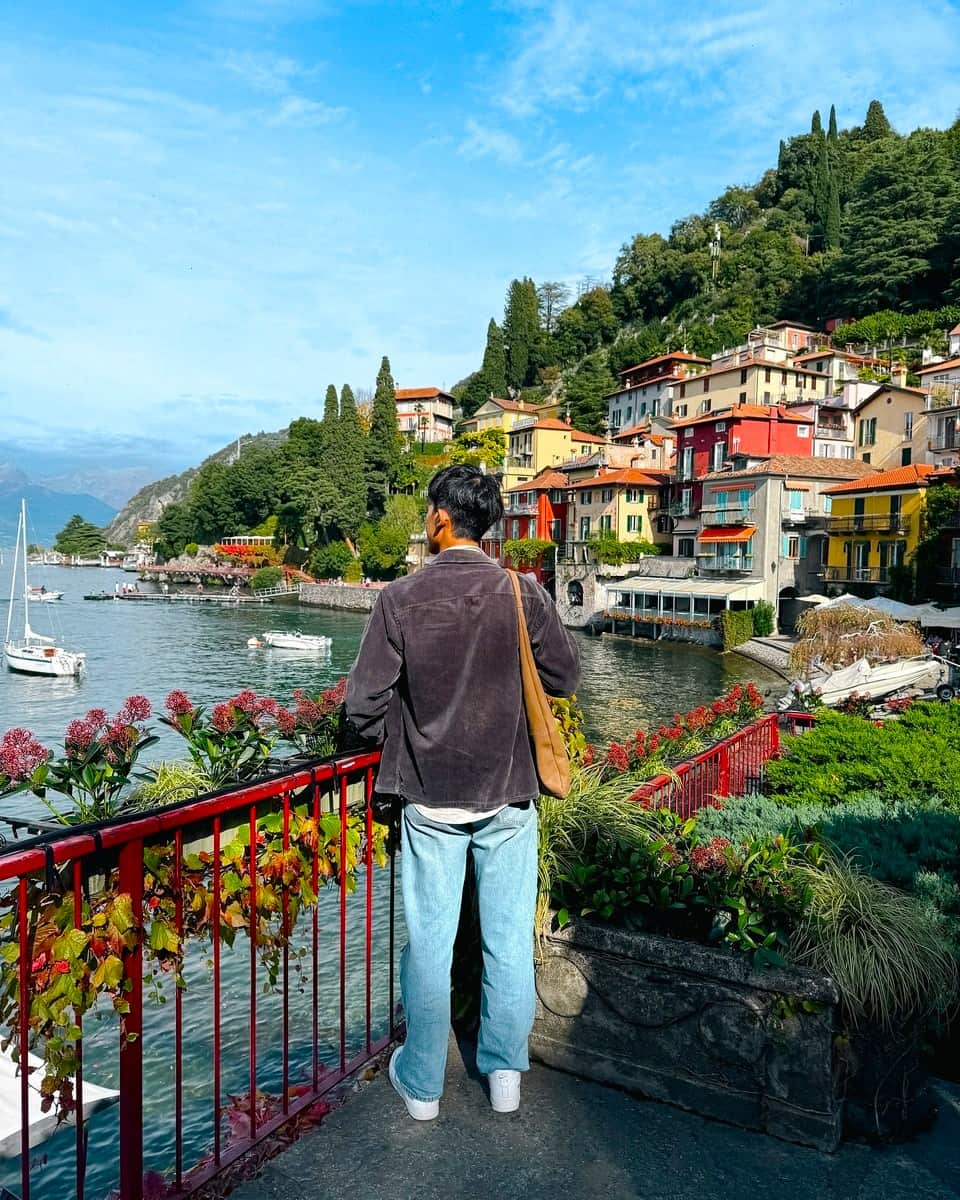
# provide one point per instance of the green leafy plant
(234, 742)
(764, 617)
(527, 552)
(607, 548)
(266, 577)
(736, 626)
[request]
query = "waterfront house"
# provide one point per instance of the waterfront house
(707, 443)
(651, 445)
(766, 521)
(623, 501)
(425, 413)
(891, 427)
(840, 367)
(941, 382)
(874, 525)
(647, 389)
(534, 444)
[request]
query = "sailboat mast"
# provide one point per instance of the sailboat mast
(26, 587)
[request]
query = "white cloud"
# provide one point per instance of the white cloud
(483, 141)
(305, 113)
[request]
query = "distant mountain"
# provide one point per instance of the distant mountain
(47, 511)
(150, 501)
(113, 485)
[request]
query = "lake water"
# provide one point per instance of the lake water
(152, 648)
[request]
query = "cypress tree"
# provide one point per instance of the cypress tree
(521, 331)
(347, 467)
(816, 127)
(821, 184)
(876, 125)
(494, 369)
(383, 442)
(331, 409)
(832, 128)
(781, 156)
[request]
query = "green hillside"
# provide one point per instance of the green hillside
(850, 221)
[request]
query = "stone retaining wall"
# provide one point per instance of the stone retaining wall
(339, 595)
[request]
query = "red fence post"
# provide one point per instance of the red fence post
(723, 771)
(131, 1034)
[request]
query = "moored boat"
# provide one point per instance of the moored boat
(281, 639)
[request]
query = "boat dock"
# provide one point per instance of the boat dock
(218, 596)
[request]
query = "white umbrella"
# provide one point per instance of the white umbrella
(933, 619)
(42, 1124)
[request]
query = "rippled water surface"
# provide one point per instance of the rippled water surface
(152, 648)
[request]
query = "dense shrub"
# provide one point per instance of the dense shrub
(266, 577)
(913, 758)
(736, 627)
(330, 561)
(764, 618)
(190, 549)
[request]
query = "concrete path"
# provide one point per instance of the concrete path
(574, 1140)
(771, 652)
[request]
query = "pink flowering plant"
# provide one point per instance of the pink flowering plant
(21, 759)
(100, 754)
(232, 742)
(310, 722)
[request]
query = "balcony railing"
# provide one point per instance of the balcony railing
(727, 515)
(853, 574)
(803, 516)
(739, 565)
(948, 440)
(838, 432)
(296, 1008)
(680, 509)
(520, 510)
(883, 523)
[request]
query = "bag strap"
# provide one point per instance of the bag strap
(528, 667)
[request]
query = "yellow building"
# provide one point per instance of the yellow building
(626, 502)
(503, 414)
(874, 524)
(890, 428)
(534, 444)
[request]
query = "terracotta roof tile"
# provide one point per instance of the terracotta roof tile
(756, 412)
(548, 478)
(429, 393)
(940, 366)
(916, 475)
(628, 476)
(679, 356)
(800, 464)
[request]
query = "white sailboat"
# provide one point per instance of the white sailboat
(33, 654)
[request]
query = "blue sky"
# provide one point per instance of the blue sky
(210, 209)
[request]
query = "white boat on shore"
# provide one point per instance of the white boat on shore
(33, 654)
(923, 674)
(281, 639)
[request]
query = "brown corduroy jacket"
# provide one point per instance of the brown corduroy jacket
(437, 680)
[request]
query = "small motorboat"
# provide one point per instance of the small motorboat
(922, 674)
(43, 593)
(281, 639)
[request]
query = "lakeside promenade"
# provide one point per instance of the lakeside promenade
(576, 1138)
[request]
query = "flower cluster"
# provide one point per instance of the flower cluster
(686, 734)
(713, 856)
(312, 722)
(20, 755)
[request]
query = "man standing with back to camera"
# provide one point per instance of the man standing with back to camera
(438, 680)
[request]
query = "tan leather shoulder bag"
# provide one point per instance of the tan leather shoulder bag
(549, 753)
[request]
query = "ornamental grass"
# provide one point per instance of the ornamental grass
(837, 637)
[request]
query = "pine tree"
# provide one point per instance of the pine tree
(876, 125)
(494, 369)
(331, 409)
(831, 226)
(816, 127)
(521, 331)
(832, 128)
(383, 442)
(347, 468)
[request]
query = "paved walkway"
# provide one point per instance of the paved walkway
(574, 1140)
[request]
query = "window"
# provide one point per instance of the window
(606, 522)
(587, 498)
(766, 397)
(680, 410)
(790, 546)
(803, 431)
(706, 405)
(719, 453)
(556, 496)
(683, 390)
(685, 548)
(796, 502)
(905, 457)
(634, 496)
(766, 374)
(706, 385)
(827, 504)
(866, 458)
(867, 432)
(743, 397)
(629, 411)
(896, 503)
(686, 463)
(514, 529)
(556, 531)
(907, 426)
(720, 426)
(643, 409)
(633, 524)
(783, 378)
(584, 528)
(686, 502)
(606, 495)
(846, 452)
(743, 375)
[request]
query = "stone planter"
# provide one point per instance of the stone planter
(693, 1026)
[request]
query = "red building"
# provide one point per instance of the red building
(706, 443)
(535, 509)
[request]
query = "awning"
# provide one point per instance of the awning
(736, 533)
(698, 586)
(796, 487)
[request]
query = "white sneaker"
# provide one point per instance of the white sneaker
(504, 1091)
(420, 1110)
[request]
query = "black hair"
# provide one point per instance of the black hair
(470, 498)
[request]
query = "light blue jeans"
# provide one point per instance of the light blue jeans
(433, 863)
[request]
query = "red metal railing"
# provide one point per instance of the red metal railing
(730, 768)
(70, 859)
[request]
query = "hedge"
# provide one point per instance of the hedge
(736, 627)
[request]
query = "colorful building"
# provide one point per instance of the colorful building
(534, 445)
(625, 502)
(503, 414)
(890, 427)
(647, 389)
(425, 414)
(874, 525)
